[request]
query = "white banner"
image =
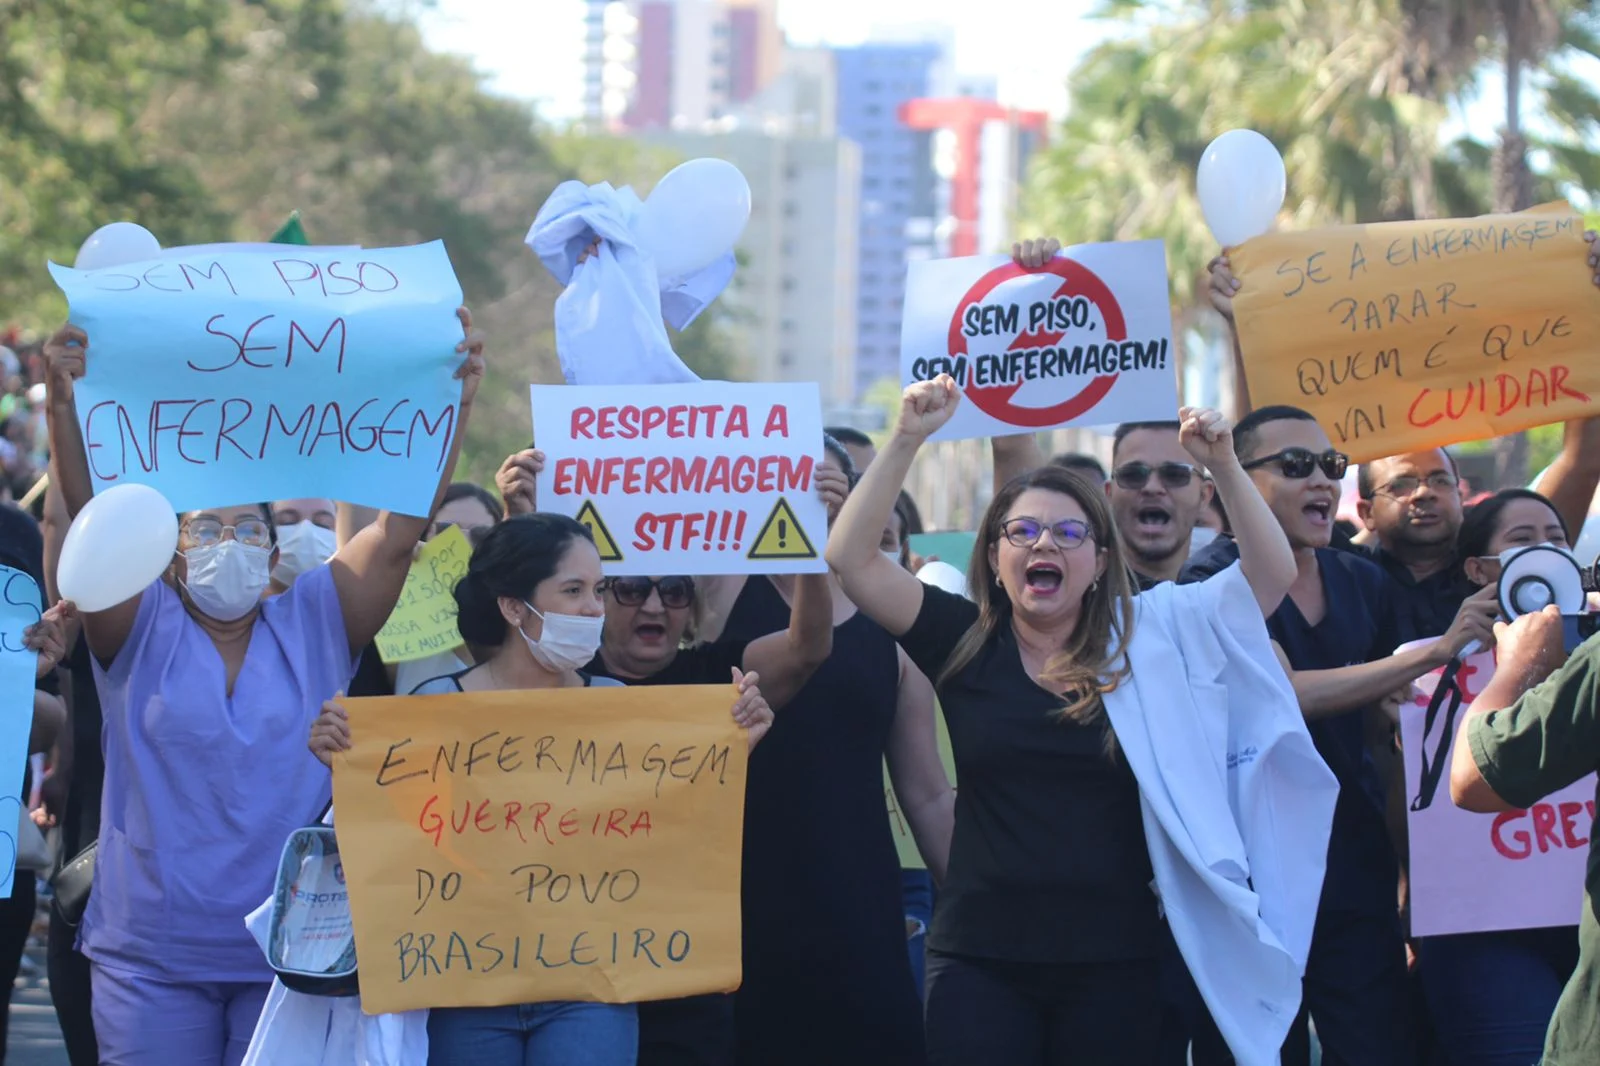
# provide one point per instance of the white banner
(704, 478)
(1085, 339)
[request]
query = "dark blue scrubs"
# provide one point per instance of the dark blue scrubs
(1355, 984)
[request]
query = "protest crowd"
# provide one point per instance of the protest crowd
(1148, 748)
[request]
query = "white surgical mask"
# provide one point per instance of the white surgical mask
(568, 641)
(226, 579)
(892, 556)
(1200, 536)
(302, 546)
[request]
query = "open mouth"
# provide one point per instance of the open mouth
(1153, 519)
(650, 632)
(1319, 511)
(1043, 578)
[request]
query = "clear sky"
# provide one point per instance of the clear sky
(533, 49)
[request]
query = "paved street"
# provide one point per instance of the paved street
(33, 1038)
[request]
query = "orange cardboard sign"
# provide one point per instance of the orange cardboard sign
(1411, 335)
(523, 847)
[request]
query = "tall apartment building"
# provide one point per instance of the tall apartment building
(898, 190)
(675, 64)
(790, 312)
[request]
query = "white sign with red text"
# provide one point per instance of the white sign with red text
(712, 477)
(1084, 340)
(1474, 873)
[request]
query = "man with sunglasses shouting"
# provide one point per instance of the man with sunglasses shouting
(1157, 495)
(1336, 632)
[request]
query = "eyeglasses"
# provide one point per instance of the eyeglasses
(205, 532)
(1403, 488)
(1135, 476)
(1066, 535)
(1297, 463)
(676, 592)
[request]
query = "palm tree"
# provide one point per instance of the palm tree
(1355, 93)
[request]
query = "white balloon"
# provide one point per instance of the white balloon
(1241, 183)
(120, 542)
(941, 575)
(118, 244)
(693, 217)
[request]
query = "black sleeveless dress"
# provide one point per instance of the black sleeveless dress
(827, 978)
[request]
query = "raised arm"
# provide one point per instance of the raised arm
(350, 519)
(1014, 456)
(787, 660)
(1264, 552)
(883, 589)
(66, 356)
(370, 570)
(1221, 289)
(926, 797)
(1323, 693)
(1570, 482)
(1546, 731)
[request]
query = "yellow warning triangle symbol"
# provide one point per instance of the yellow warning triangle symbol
(781, 537)
(588, 516)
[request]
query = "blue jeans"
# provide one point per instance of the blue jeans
(916, 896)
(534, 1034)
(1492, 994)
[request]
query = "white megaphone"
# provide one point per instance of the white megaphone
(1543, 575)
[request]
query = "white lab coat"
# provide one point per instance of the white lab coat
(1238, 805)
(609, 328)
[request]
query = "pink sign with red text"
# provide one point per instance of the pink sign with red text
(1471, 872)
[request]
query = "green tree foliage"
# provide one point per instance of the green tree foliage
(1355, 93)
(212, 120)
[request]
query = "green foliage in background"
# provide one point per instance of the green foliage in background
(213, 120)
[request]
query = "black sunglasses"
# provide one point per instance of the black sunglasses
(1297, 463)
(676, 592)
(1135, 476)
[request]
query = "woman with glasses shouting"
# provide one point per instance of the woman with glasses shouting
(1047, 939)
(207, 692)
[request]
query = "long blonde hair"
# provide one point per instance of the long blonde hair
(1093, 661)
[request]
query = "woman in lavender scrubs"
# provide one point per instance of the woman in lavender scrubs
(208, 692)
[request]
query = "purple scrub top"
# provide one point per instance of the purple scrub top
(201, 789)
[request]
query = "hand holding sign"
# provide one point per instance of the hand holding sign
(470, 373)
(750, 709)
(48, 637)
(517, 481)
(330, 733)
(833, 487)
(64, 355)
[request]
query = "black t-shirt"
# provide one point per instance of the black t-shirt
(1360, 626)
(1049, 861)
(371, 677)
(703, 664)
(1427, 607)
